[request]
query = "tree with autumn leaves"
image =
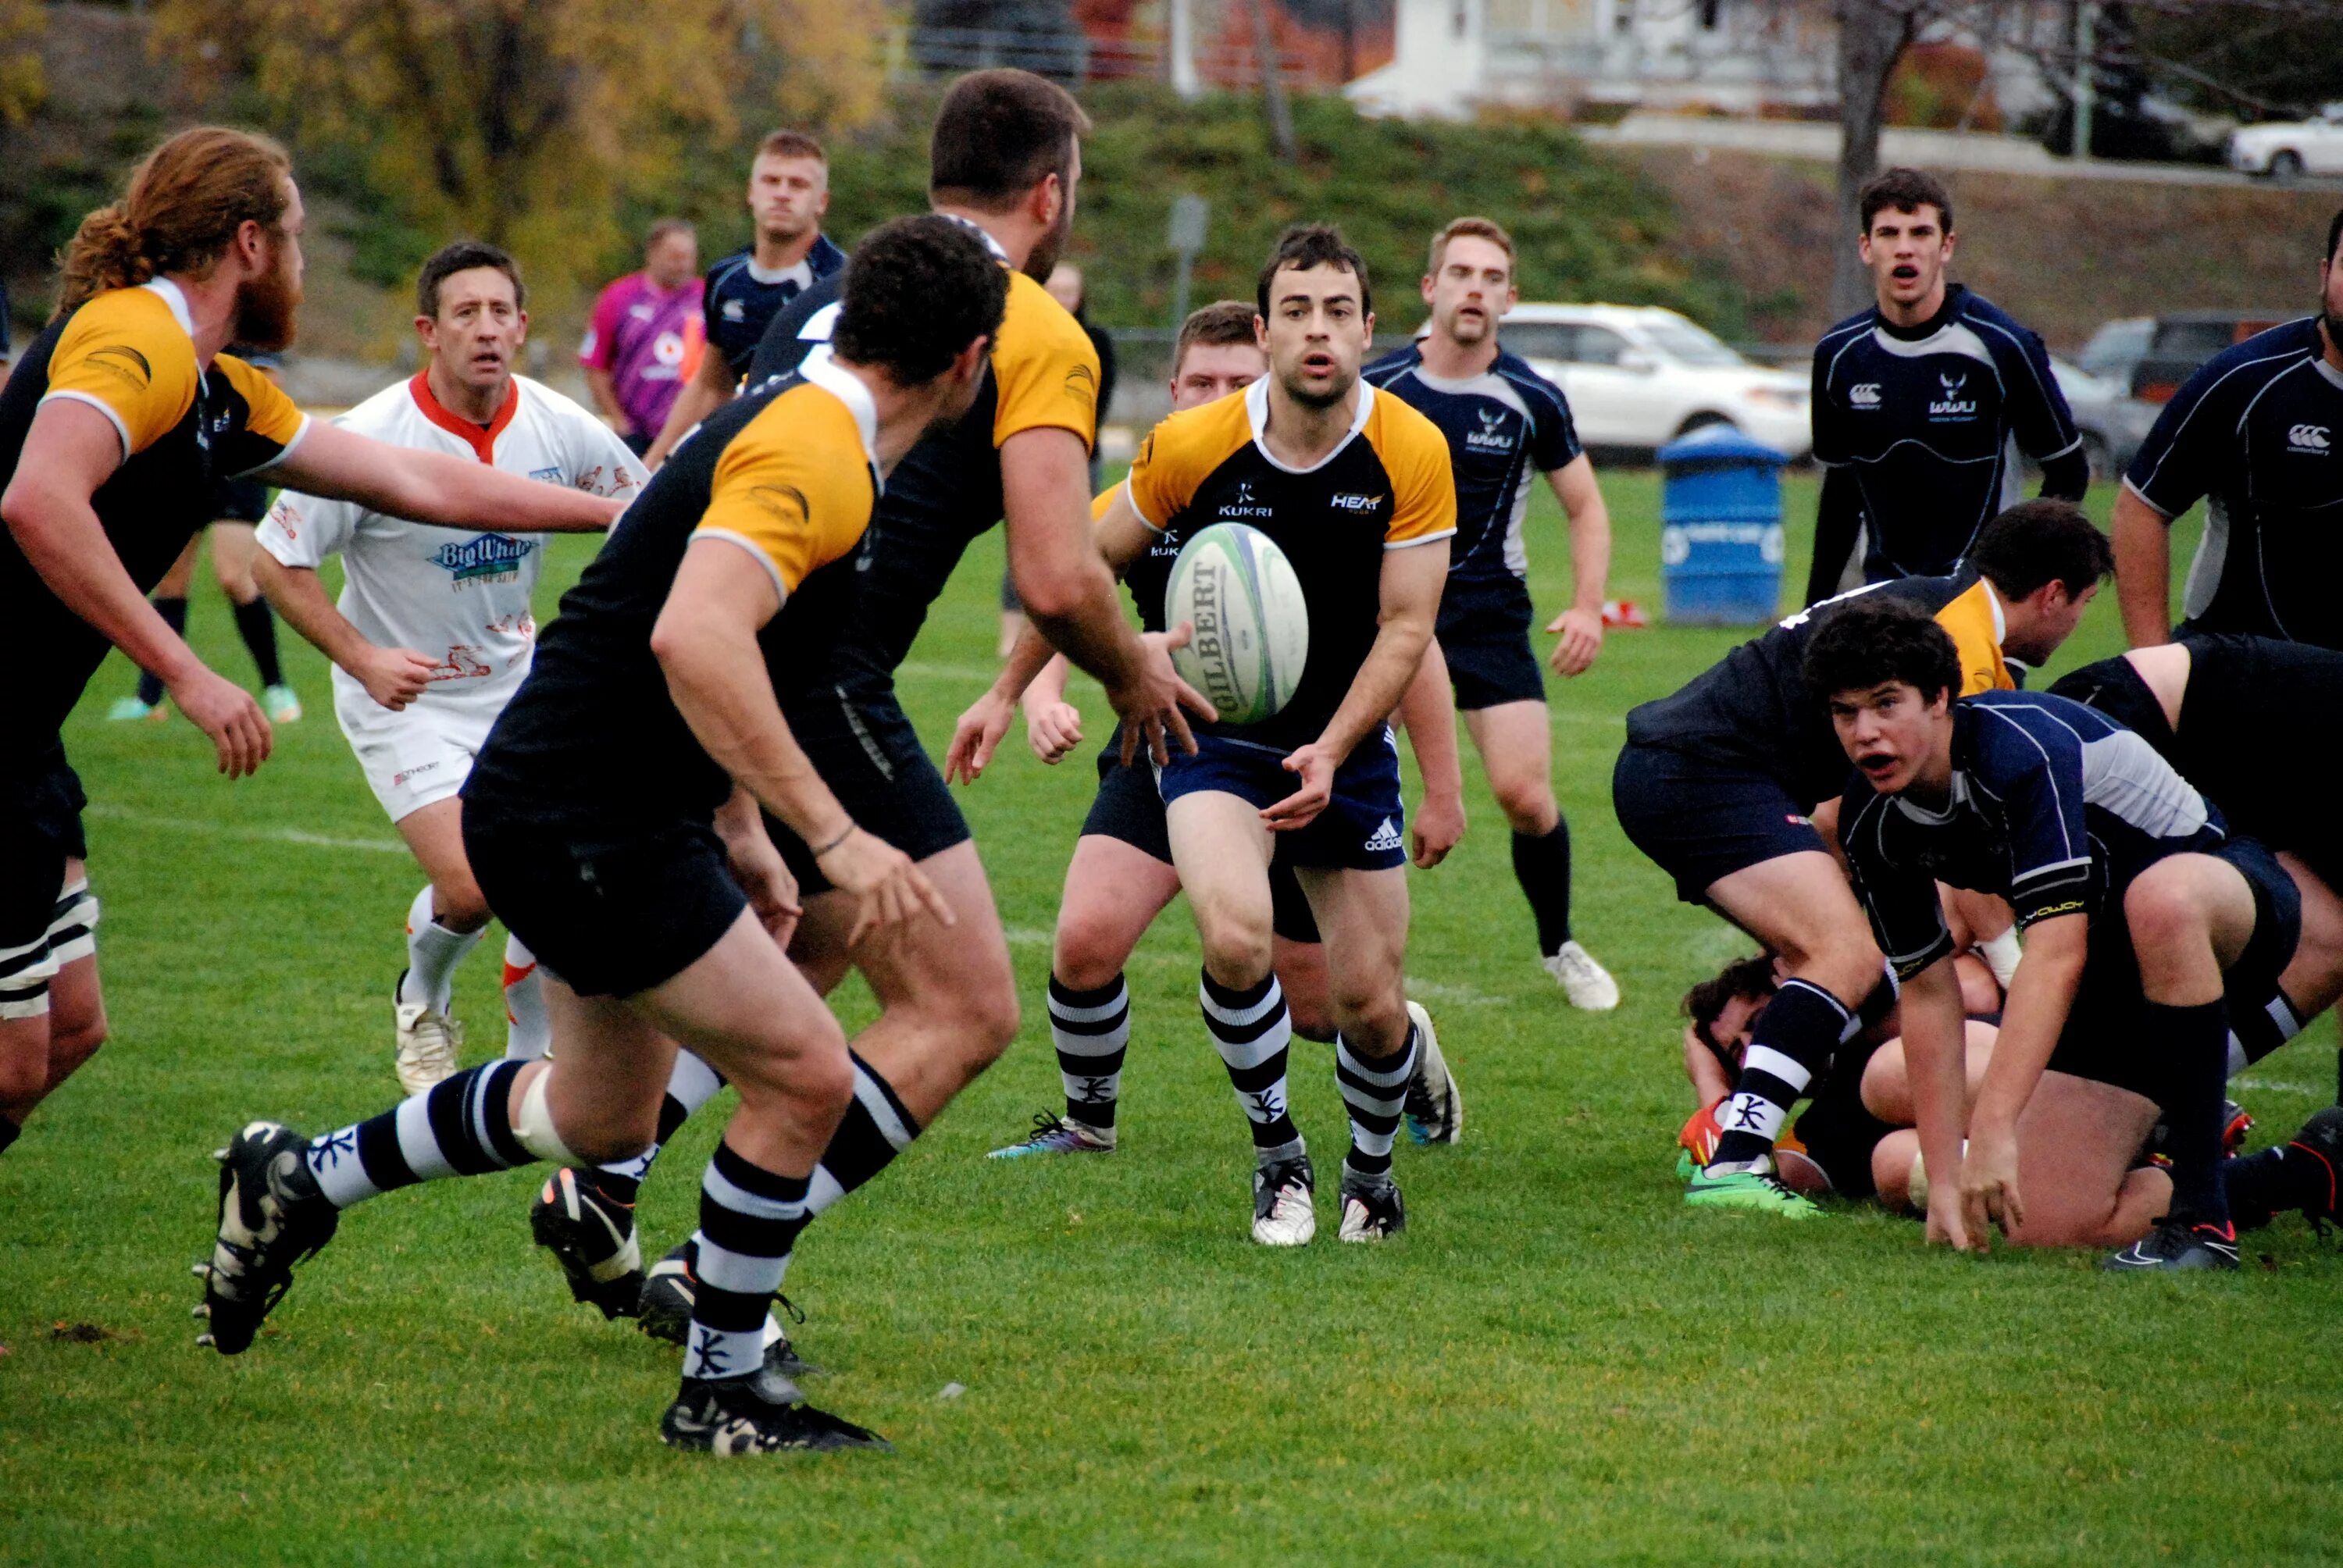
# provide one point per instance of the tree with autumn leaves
(533, 124)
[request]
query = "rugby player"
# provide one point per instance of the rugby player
(1122, 877)
(2140, 909)
(1502, 418)
(237, 509)
(1717, 784)
(612, 819)
(1917, 401)
(118, 420)
(1005, 164)
(645, 339)
(1355, 487)
(433, 631)
(788, 191)
(2255, 431)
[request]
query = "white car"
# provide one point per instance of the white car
(2284, 150)
(1639, 376)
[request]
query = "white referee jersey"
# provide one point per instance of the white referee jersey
(462, 598)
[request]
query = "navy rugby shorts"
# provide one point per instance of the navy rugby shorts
(1363, 826)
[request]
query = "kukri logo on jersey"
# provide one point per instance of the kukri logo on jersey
(484, 559)
(1951, 404)
(1244, 504)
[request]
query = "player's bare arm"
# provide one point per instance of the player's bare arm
(1934, 1047)
(435, 488)
(70, 451)
(1580, 626)
(706, 642)
(2143, 542)
(1427, 712)
(393, 677)
(2041, 994)
(758, 867)
(710, 388)
(1411, 581)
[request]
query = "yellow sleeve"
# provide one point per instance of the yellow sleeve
(792, 488)
(1969, 617)
(270, 415)
(124, 354)
(1104, 499)
(1045, 372)
(1180, 454)
(1424, 481)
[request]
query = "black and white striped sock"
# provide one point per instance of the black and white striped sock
(1091, 1030)
(875, 1129)
(1373, 1090)
(459, 1127)
(748, 1220)
(1790, 1044)
(1251, 1030)
(692, 1085)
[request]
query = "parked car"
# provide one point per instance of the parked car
(2184, 340)
(2113, 422)
(1637, 376)
(2285, 150)
(2115, 347)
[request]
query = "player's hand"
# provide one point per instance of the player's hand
(977, 737)
(1314, 764)
(888, 887)
(395, 677)
(1053, 729)
(1582, 638)
(1989, 1184)
(765, 878)
(1150, 706)
(1945, 1226)
(227, 713)
(1439, 824)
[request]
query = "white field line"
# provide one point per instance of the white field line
(300, 836)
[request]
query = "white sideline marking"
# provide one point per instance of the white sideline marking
(2276, 1087)
(1456, 995)
(258, 835)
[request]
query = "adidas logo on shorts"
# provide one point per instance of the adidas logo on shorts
(1383, 838)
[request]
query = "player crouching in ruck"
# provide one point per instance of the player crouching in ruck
(2139, 908)
(612, 819)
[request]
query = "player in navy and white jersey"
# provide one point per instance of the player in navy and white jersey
(788, 191)
(1505, 422)
(1917, 401)
(2257, 432)
(2139, 907)
(1718, 782)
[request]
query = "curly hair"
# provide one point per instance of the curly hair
(1872, 640)
(917, 291)
(186, 202)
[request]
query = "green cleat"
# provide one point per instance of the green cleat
(1758, 1192)
(128, 708)
(282, 705)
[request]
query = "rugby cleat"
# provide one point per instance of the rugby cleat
(763, 1414)
(271, 1217)
(1051, 1135)
(282, 705)
(429, 1043)
(663, 1311)
(2322, 1137)
(1750, 1192)
(1371, 1209)
(2178, 1246)
(127, 709)
(1283, 1213)
(1434, 1106)
(1587, 984)
(592, 1237)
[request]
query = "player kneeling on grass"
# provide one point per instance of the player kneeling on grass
(1122, 877)
(612, 819)
(2138, 907)
(432, 632)
(1355, 487)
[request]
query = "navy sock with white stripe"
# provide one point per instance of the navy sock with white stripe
(459, 1126)
(749, 1218)
(1252, 1031)
(1091, 1030)
(692, 1084)
(1373, 1090)
(875, 1129)
(1789, 1045)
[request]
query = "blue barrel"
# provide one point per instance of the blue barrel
(1721, 528)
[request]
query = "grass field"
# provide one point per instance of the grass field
(1557, 1363)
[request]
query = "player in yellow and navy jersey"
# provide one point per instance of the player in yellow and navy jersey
(612, 820)
(1355, 488)
(115, 425)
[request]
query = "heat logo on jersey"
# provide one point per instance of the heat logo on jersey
(484, 559)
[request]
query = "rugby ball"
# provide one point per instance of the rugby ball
(1251, 636)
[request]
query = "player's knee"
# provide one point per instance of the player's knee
(1086, 958)
(1841, 960)
(457, 901)
(1236, 940)
(1374, 1016)
(992, 1014)
(1310, 1014)
(2161, 915)
(1528, 804)
(23, 1072)
(73, 1043)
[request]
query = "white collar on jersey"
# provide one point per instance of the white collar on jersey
(978, 229)
(820, 370)
(2000, 620)
(799, 272)
(168, 293)
(1256, 398)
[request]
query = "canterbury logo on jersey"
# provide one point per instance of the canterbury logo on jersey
(1951, 404)
(2307, 439)
(1864, 395)
(734, 311)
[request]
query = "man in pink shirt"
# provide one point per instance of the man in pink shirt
(645, 340)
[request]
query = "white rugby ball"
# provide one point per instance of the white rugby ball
(1251, 637)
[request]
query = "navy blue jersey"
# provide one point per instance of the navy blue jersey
(2256, 432)
(741, 299)
(2054, 807)
(1504, 426)
(1922, 417)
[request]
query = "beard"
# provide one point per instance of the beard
(1313, 399)
(266, 308)
(1042, 260)
(2333, 321)
(1470, 330)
